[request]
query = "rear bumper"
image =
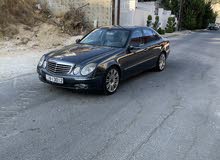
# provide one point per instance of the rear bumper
(82, 83)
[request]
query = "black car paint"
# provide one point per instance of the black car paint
(129, 62)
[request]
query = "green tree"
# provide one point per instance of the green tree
(197, 14)
(209, 15)
(149, 20)
(172, 5)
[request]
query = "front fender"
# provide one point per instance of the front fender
(103, 67)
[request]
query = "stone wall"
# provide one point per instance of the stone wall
(97, 10)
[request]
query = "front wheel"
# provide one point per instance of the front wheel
(161, 63)
(111, 81)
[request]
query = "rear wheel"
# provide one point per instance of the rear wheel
(161, 63)
(111, 81)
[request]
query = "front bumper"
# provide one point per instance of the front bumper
(73, 82)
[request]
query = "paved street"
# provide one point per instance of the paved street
(172, 115)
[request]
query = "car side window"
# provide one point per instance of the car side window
(149, 35)
(136, 34)
(155, 35)
(136, 38)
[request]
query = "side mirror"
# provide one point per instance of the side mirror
(78, 40)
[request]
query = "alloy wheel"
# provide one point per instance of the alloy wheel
(162, 62)
(112, 80)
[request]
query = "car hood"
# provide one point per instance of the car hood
(81, 53)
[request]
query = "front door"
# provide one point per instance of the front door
(130, 61)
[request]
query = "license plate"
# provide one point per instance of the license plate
(54, 79)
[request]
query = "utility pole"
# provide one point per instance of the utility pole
(118, 12)
(180, 16)
(113, 12)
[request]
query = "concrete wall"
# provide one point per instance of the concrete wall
(127, 12)
(100, 10)
(164, 15)
(136, 13)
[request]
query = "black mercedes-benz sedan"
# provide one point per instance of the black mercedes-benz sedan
(104, 57)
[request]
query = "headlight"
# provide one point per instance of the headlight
(45, 64)
(41, 61)
(88, 69)
(76, 71)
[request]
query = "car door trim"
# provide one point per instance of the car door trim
(134, 65)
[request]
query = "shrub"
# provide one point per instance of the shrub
(161, 31)
(171, 25)
(149, 20)
(156, 23)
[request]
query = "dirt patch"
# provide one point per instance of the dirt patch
(44, 36)
(74, 22)
(29, 24)
(31, 13)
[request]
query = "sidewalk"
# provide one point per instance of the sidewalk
(178, 33)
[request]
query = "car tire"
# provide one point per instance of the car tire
(161, 62)
(111, 81)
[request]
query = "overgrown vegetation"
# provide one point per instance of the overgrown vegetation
(74, 21)
(196, 14)
(31, 13)
(13, 12)
(17, 12)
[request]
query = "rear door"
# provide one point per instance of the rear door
(152, 47)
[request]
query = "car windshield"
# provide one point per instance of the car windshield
(107, 37)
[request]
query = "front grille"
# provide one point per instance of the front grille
(58, 68)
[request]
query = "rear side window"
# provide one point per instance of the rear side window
(136, 38)
(137, 34)
(149, 35)
(147, 32)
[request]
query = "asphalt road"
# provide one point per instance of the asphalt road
(172, 115)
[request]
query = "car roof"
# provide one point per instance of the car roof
(130, 28)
